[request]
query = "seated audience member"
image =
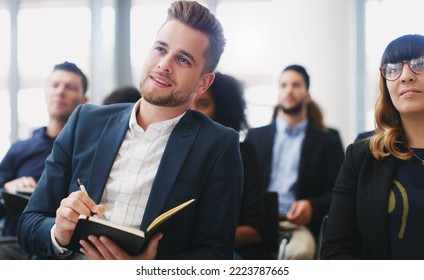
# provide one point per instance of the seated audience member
(125, 94)
(24, 162)
(139, 160)
(376, 211)
(298, 160)
(224, 103)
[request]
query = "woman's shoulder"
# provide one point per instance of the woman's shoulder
(359, 151)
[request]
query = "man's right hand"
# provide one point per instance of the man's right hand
(300, 212)
(67, 215)
(20, 183)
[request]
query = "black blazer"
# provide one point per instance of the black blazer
(358, 222)
(320, 161)
(252, 210)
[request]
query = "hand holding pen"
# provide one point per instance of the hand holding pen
(83, 189)
(71, 207)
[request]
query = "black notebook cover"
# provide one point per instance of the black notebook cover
(132, 240)
(128, 241)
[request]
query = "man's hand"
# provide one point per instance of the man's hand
(20, 183)
(104, 249)
(68, 213)
(300, 212)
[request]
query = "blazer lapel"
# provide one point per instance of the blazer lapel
(107, 148)
(384, 172)
(177, 148)
(268, 144)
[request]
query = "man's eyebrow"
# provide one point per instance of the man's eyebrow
(161, 43)
(183, 52)
(188, 55)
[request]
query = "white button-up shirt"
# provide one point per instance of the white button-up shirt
(135, 167)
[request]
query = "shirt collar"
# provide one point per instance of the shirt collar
(159, 126)
(283, 126)
(42, 132)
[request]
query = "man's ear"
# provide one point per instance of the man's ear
(308, 98)
(205, 82)
(84, 100)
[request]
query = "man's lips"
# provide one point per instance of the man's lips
(160, 80)
(59, 103)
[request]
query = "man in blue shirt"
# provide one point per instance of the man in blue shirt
(23, 164)
(300, 161)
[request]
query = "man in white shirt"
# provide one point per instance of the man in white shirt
(138, 161)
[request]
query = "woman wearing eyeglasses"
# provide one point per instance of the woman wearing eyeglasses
(377, 208)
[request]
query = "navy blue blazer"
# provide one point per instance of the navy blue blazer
(201, 160)
(320, 161)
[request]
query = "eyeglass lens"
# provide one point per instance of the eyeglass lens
(392, 71)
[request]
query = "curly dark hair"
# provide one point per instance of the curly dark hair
(230, 106)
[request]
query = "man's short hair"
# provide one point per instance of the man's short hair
(301, 70)
(72, 67)
(201, 19)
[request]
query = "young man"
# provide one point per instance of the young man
(24, 162)
(299, 161)
(138, 161)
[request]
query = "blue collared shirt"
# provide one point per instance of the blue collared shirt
(285, 162)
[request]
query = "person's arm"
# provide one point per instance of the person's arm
(300, 212)
(251, 226)
(214, 176)
(36, 222)
(57, 199)
(67, 215)
(341, 236)
(7, 173)
(331, 163)
(25, 182)
(218, 205)
(246, 235)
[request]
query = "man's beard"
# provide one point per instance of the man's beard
(291, 111)
(173, 99)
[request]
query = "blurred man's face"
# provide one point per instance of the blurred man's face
(64, 92)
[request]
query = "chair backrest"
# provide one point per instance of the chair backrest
(321, 235)
(271, 214)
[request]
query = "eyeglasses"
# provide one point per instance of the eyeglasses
(392, 71)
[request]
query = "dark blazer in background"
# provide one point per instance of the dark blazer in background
(357, 226)
(201, 160)
(252, 211)
(320, 162)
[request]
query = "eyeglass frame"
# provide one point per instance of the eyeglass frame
(408, 62)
